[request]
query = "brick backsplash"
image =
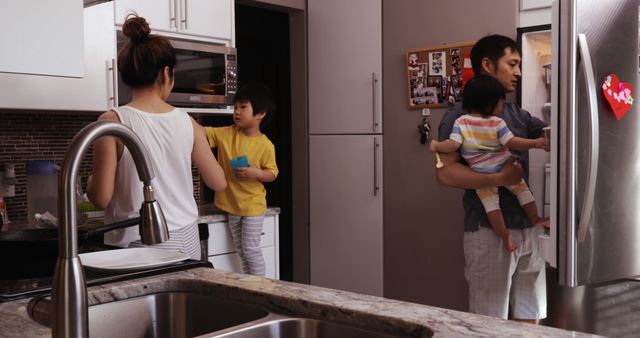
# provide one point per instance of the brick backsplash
(27, 136)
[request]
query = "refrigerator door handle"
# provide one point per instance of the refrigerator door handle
(592, 169)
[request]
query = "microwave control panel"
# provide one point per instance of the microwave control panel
(232, 74)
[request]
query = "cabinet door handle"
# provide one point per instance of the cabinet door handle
(111, 87)
(375, 167)
(184, 14)
(374, 95)
(172, 15)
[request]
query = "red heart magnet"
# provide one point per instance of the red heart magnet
(618, 95)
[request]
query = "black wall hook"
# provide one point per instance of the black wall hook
(424, 128)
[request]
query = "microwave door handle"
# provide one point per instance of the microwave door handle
(592, 170)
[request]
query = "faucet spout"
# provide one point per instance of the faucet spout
(69, 292)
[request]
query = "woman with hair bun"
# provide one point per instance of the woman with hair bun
(175, 141)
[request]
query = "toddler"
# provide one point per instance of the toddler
(248, 159)
(484, 139)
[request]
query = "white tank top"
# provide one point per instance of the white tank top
(169, 141)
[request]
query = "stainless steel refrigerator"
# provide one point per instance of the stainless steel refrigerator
(595, 170)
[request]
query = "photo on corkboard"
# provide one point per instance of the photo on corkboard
(432, 95)
(456, 66)
(437, 63)
(434, 75)
(456, 84)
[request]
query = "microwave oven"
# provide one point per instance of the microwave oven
(205, 75)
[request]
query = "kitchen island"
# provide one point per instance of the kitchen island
(373, 313)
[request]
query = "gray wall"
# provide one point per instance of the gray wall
(423, 259)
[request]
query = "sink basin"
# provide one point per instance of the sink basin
(191, 314)
(297, 328)
(171, 314)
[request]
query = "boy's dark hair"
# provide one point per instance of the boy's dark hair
(492, 47)
(481, 95)
(258, 95)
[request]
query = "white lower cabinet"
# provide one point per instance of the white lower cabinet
(223, 255)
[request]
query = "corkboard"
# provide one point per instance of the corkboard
(436, 75)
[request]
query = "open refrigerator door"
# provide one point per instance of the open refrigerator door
(535, 96)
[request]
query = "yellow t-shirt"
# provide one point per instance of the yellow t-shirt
(243, 198)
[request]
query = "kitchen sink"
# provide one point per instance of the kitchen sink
(297, 328)
(190, 314)
(160, 315)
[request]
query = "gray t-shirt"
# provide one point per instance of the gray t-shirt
(521, 124)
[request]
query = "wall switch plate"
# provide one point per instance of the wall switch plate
(426, 111)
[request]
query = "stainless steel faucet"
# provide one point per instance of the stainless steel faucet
(69, 292)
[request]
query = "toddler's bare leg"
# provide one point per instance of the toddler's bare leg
(497, 223)
(532, 212)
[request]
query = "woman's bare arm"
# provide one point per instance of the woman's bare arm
(202, 157)
(101, 183)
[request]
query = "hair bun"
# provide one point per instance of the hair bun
(136, 28)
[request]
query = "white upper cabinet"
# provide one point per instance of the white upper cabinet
(43, 37)
(93, 92)
(207, 17)
(160, 14)
(204, 18)
(345, 66)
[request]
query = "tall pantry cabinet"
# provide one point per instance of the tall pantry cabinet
(345, 144)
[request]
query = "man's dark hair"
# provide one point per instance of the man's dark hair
(481, 95)
(491, 47)
(258, 95)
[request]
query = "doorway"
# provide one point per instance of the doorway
(262, 41)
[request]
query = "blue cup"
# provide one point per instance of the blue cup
(239, 162)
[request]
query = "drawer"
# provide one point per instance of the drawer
(228, 262)
(231, 262)
(271, 265)
(221, 242)
(268, 232)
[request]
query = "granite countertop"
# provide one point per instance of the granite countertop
(207, 213)
(374, 313)
(210, 214)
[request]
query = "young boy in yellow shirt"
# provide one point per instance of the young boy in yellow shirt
(249, 160)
